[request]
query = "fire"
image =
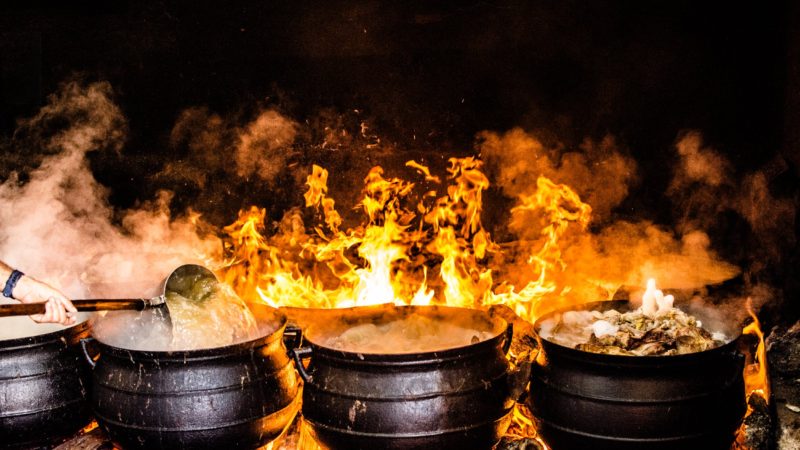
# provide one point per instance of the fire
(755, 375)
(756, 380)
(410, 247)
(425, 246)
(522, 426)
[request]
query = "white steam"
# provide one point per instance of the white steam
(59, 226)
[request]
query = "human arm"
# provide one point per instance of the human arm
(58, 309)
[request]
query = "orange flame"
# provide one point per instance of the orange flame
(756, 380)
(425, 248)
(435, 251)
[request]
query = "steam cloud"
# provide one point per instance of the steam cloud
(59, 225)
(57, 221)
(259, 150)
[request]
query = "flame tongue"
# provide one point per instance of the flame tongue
(432, 248)
(755, 375)
(434, 251)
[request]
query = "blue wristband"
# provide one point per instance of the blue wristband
(11, 282)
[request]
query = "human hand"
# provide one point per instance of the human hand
(58, 309)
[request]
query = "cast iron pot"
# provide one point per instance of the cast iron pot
(585, 400)
(458, 398)
(238, 396)
(43, 384)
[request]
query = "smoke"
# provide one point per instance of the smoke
(259, 149)
(225, 162)
(598, 171)
(611, 253)
(698, 165)
(706, 191)
(629, 253)
(59, 226)
(57, 221)
(257, 152)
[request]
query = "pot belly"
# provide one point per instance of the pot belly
(466, 411)
(237, 402)
(580, 405)
(42, 391)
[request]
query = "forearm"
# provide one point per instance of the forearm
(5, 274)
(58, 309)
(25, 287)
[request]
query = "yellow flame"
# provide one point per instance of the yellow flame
(430, 250)
(756, 379)
(435, 251)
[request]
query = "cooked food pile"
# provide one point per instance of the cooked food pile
(655, 329)
(412, 334)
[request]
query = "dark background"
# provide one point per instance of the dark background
(430, 74)
(443, 70)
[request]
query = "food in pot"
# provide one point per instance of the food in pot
(655, 329)
(208, 315)
(212, 316)
(412, 334)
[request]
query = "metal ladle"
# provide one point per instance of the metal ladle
(183, 281)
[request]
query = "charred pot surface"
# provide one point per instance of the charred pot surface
(450, 399)
(589, 400)
(43, 388)
(239, 396)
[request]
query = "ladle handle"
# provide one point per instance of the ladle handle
(26, 309)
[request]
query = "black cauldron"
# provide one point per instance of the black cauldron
(457, 398)
(43, 380)
(587, 400)
(238, 396)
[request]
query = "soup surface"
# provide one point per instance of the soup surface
(412, 334)
(207, 315)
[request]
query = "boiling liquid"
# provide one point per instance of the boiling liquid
(216, 318)
(413, 334)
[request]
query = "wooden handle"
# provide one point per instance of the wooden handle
(27, 309)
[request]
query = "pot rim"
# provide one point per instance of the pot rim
(201, 353)
(500, 328)
(38, 339)
(644, 360)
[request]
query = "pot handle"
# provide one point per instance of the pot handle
(509, 334)
(298, 354)
(292, 336)
(86, 354)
